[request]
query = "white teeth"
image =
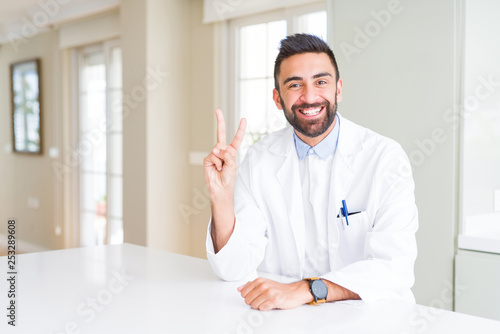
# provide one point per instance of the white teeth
(311, 112)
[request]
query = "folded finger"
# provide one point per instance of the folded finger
(266, 306)
(247, 288)
(242, 286)
(261, 302)
(213, 160)
(251, 296)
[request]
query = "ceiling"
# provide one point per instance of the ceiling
(25, 18)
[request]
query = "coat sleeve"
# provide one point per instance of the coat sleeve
(390, 249)
(246, 247)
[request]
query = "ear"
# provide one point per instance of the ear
(339, 90)
(276, 98)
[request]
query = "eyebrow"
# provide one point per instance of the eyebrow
(319, 75)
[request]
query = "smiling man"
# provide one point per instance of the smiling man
(324, 200)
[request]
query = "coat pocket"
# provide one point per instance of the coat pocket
(352, 237)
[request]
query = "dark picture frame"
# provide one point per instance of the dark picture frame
(25, 92)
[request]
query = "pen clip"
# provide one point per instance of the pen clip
(344, 211)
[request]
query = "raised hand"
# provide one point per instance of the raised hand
(220, 177)
(220, 165)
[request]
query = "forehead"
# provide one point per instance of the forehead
(305, 65)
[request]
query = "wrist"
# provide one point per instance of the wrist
(304, 292)
(319, 290)
(222, 227)
(223, 215)
(221, 196)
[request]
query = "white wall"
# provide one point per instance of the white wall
(155, 38)
(196, 211)
(31, 176)
(134, 59)
(400, 82)
(168, 119)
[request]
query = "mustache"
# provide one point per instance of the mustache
(295, 107)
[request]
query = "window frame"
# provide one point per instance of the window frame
(77, 57)
(290, 15)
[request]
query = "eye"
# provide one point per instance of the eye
(322, 82)
(294, 85)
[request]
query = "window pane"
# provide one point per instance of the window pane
(253, 103)
(93, 151)
(253, 51)
(87, 227)
(313, 23)
(101, 142)
(258, 50)
(275, 118)
(92, 110)
(116, 117)
(116, 201)
(92, 229)
(93, 72)
(115, 231)
(93, 191)
(276, 31)
(19, 126)
(115, 68)
(116, 153)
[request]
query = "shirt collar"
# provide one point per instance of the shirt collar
(323, 149)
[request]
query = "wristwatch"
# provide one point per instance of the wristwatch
(318, 290)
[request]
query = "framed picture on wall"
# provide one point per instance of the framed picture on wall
(26, 106)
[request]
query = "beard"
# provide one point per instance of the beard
(311, 128)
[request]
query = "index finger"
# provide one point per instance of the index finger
(238, 137)
(221, 127)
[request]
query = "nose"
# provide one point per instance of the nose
(309, 94)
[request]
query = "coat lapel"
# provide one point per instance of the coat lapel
(289, 178)
(349, 144)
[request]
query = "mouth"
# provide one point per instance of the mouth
(311, 112)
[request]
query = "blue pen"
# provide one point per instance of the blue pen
(345, 212)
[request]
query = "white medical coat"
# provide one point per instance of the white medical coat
(373, 256)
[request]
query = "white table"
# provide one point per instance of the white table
(83, 291)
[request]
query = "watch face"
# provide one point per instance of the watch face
(318, 288)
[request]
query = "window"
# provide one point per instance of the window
(100, 180)
(256, 41)
(479, 119)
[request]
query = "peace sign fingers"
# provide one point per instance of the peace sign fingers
(238, 137)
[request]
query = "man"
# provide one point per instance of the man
(323, 198)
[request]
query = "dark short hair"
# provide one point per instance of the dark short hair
(298, 44)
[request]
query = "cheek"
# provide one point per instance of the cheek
(331, 98)
(290, 99)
